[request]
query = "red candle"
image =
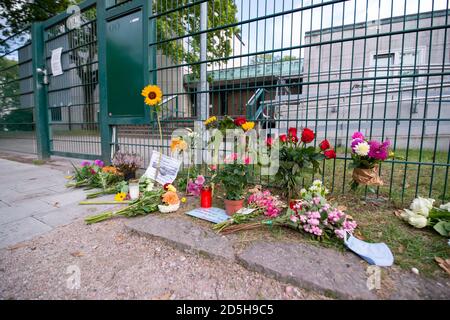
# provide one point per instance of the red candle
(206, 198)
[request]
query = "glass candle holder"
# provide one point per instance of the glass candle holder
(133, 189)
(206, 198)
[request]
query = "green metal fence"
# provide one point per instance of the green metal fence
(378, 66)
(73, 96)
(17, 127)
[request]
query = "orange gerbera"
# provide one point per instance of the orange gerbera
(170, 198)
(178, 144)
(109, 169)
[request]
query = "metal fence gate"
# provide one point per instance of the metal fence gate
(378, 66)
(73, 96)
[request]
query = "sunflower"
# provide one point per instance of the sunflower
(152, 94)
(248, 126)
(120, 196)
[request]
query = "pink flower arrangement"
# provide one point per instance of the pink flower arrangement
(271, 204)
(315, 216)
(195, 187)
(366, 154)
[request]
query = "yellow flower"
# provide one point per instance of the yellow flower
(178, 144)
(183, 200)
(210, 120)
(171, 188)
(152, 94)
(120, 196)
(248, 126)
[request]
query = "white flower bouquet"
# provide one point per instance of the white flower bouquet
(423, 214)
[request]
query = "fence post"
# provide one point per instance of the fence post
(105, 128)
(40, 94)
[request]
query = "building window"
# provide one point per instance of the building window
(382, 62)
(408, 62)
(56, 114)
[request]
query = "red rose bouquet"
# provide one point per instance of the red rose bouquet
(297, 159)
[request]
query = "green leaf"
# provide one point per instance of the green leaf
(443, 228)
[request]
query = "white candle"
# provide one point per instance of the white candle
(134, 190)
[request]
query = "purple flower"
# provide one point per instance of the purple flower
(85, 163)
(99, 163)
(355, 142)
(194, 188)
(200, 180)
(379, 151)
(358, 135)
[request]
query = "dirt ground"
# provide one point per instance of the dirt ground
(114, 263)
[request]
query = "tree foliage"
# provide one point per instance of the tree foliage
(179, 23)
(18, 14)
(9, 88)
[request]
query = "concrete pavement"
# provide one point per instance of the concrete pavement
(34, 200)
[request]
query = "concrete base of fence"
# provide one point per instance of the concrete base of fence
(336, 274)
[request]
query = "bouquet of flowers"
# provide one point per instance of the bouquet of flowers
(367, 155)
(146, 204)
(170, 199)
(422, 213)
(94, 175)
(298, 159)
(127, 163)
(272, 206)
(229, 123)
(312, 215)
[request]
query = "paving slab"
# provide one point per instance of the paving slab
(184, 234)
(409, 286)
(21, 230)
(319, 269)
(341, 274)
(67, 214)
(70, 197)
(34, 200)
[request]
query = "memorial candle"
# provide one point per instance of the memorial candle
(206, 198)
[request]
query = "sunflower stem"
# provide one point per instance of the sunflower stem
(161, 144)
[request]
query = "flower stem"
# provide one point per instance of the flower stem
(160, 145)
(102, 202)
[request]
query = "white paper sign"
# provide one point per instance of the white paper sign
(55, 62)
(245, 211)
(168, 168)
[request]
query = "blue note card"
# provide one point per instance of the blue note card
(215, 215)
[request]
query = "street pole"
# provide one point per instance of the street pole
(203, 86)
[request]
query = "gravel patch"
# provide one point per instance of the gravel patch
(115, 263)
